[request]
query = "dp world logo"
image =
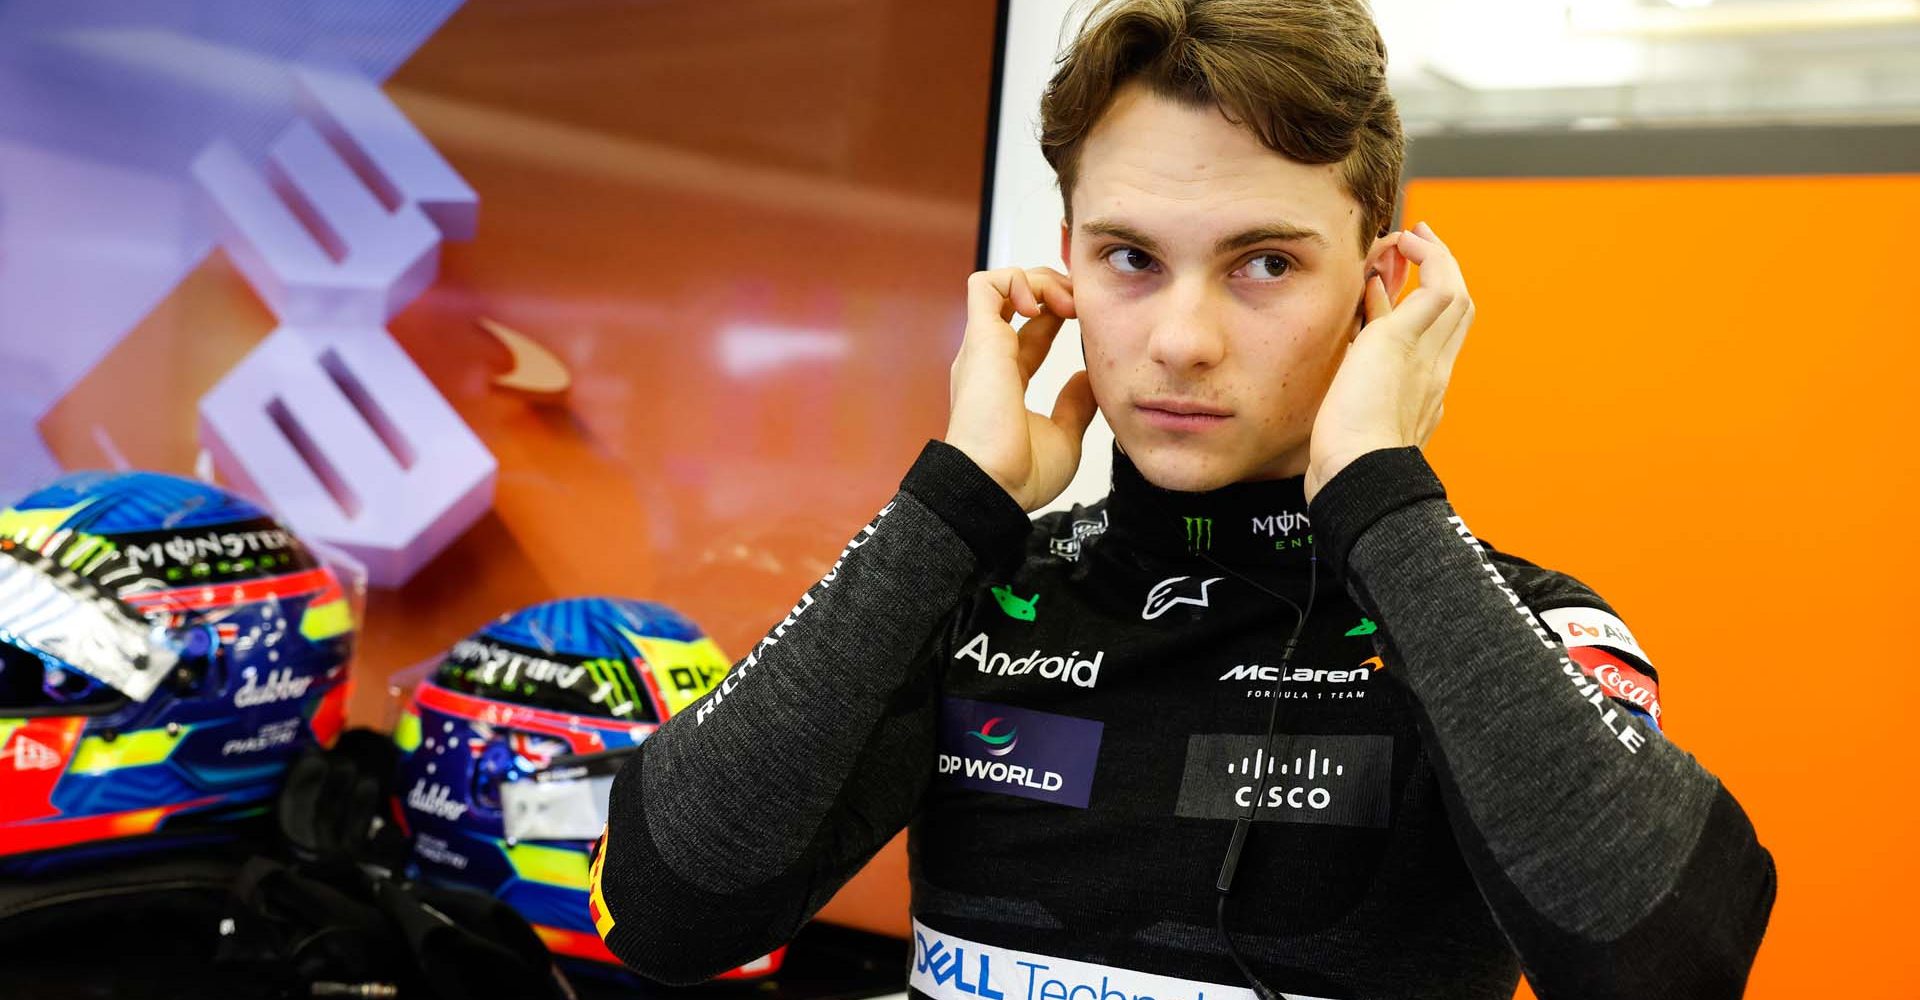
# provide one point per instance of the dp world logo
(998, 744)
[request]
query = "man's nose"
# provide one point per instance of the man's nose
(1186, 329)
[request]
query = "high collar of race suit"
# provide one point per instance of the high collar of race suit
(1260, 523)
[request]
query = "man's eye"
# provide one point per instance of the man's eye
(1268, 266)
(1128, 260)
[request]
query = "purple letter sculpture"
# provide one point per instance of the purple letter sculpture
(328, 421)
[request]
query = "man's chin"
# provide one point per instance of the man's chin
(1190, 468)
(1185, 469)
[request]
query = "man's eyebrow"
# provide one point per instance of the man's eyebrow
(1277, 232)
(1120, 231)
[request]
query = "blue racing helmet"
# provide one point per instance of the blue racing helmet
(509, 750)
(166, 650)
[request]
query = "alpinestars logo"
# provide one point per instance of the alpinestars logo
(30, 755)
(998, 744)
(1163, 596)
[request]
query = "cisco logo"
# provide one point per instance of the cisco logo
(1336, 780)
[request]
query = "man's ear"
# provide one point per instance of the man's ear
(1385, 259)
(1066, 246)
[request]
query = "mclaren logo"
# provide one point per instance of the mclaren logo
(536, 371)
(1298, 675)
(1304, 683)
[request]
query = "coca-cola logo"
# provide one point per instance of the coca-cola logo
(1630, 686)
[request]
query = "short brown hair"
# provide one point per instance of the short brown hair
(1308, 77)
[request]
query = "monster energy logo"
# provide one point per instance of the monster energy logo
(1199, 533)
(613, 685)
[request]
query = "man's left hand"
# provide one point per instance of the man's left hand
(1389, 389)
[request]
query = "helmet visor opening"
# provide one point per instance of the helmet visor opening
(33, 684)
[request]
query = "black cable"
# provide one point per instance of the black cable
(1220, 922)
(1243, 827)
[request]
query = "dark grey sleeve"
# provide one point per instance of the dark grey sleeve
(744, 813)
(1615, 864)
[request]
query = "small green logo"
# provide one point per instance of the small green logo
(1199, 533)
(1366, 627)
(1014, 605)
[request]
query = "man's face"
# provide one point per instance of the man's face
(1217, 284)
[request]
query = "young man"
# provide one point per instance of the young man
(1272, 661)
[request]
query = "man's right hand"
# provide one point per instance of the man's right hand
(1032, 457)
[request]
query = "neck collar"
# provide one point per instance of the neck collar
(1262, 522)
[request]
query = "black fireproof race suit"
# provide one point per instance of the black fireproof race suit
(1468, 781)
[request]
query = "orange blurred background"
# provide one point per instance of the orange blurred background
(1697, 396)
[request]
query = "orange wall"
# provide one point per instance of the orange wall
(1699, 396)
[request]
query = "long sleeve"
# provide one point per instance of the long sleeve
(1614, 863)
(744, 813)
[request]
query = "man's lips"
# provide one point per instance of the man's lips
(1181, 415)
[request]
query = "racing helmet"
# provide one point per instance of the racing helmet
(167, 650)
(510, 745)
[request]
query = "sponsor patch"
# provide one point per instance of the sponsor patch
(279, 685)
(1304, 682)
(1016, 751)
(1068, 547)
(948, 967)
(1620, 680)
(1335, 780)
(1073, 668)
(680, 673)
(435, 799)
(1593, 627)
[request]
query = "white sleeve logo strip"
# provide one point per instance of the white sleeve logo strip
(1593, 627)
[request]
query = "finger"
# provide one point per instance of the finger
(1432, 342)
(1449, 350)
(987, 300)
(1412, 317)
(1024, 301)
(1438, 267)
(987, 293)
(1378, 303)
(1073, 409)
(1055, 290)
(1036, 341)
